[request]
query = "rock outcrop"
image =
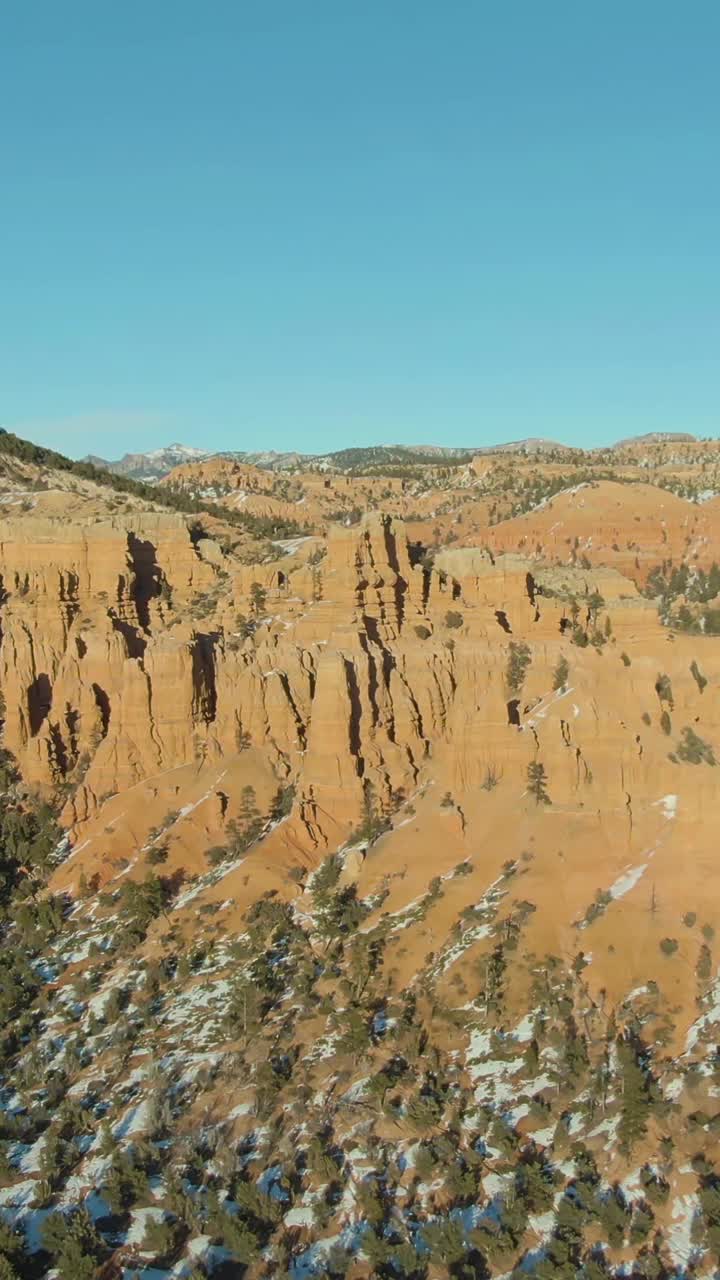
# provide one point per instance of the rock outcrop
(128, 652)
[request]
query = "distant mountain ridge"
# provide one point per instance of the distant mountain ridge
(658, 437)
(156, 463)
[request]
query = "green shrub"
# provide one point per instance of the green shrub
(693, 750)
(595, 602)
(491, 779)
(697, 675)
(327, 875)
(560, 676)
(283, 802)
(598, 907)
(258, 598)
(74, 1243)
(703, 968)
(518, 662)
(663, 689)
(161, 1238)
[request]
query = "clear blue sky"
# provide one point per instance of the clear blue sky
(316, 223)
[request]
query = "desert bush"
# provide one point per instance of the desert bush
(519, 660)
(703, 968)
(693, 750)
(560, 676)
(491, 778)
(697, 675)
(663, 689)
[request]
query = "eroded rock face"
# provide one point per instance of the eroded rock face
(126, 654)
(108, 674)
(85, 647)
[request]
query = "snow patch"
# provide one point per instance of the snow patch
(627, 881)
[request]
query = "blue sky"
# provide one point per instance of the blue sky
(316, 223)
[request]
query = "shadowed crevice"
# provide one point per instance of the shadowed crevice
(39, 701)
(146, 576)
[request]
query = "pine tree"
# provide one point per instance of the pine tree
(537, 782)
(635, 1094)
(595, 603)
(518, 662)
(258, 598)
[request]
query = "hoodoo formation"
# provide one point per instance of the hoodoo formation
(358, 842)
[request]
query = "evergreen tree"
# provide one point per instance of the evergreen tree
(636, 1099)
(537, 782)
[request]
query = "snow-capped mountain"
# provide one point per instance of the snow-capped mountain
(154, 464)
